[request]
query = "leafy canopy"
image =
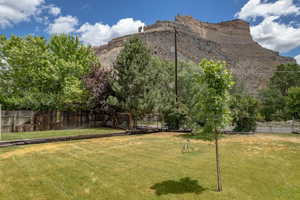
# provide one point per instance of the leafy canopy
(212, 100)
(285, 77)
(130, 85)
(244, 110)
(43, 74)
(293, 102)
(273, 99)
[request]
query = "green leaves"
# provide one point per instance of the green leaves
(274, 98)
(135, 87)
(211, 101)
(293, 101)
(244, 109)
(286, 76)
(273, 104)
(44, 74)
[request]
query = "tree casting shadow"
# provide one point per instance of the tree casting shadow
(184, 185)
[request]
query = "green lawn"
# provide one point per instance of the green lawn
(56, 133)
(255, 167)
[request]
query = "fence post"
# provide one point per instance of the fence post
(14, 122)
(270, 126)
(293, 128)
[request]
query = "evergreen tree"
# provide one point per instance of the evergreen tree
(132, 83)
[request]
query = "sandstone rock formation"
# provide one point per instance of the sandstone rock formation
(251, 64)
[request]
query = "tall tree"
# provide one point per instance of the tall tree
(73, 62)
(131, 85)
(44, 74)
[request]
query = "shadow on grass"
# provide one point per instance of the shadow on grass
(184, 185)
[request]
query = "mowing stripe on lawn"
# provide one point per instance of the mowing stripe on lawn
(77, 137)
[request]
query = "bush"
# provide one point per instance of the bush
(174, 119)
(244, 110)
(293, 102)
(273, 105)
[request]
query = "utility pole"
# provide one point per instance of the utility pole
(176, 73)
(176, 66)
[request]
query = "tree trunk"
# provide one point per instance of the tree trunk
(131, 121)
(219, 180)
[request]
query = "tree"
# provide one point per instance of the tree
(162, 87)
(132, 83)
(293, 102)
(213, 102)
(98, 84)
(244, 109)
(286, 76)
(273, 104)
(190, 93)
(44, 75)
(273, 98)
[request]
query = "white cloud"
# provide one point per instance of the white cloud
(96, 34)
(64, 24)
(126, 26)
(298, 59)
(273, 35)
(272, 32)
(15, 11)
(53, 10)
(99, 34)
(256, 8)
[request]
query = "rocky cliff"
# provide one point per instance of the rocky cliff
(251, 64)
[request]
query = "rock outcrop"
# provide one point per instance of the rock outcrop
(231, 41)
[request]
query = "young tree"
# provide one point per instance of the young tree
(213, 102)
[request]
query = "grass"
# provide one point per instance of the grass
(149, 167)
(56, 133)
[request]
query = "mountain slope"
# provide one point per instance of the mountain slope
(231, 41)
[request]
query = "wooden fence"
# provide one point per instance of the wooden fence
(20, 121)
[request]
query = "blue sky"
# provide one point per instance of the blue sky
(275, 24)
